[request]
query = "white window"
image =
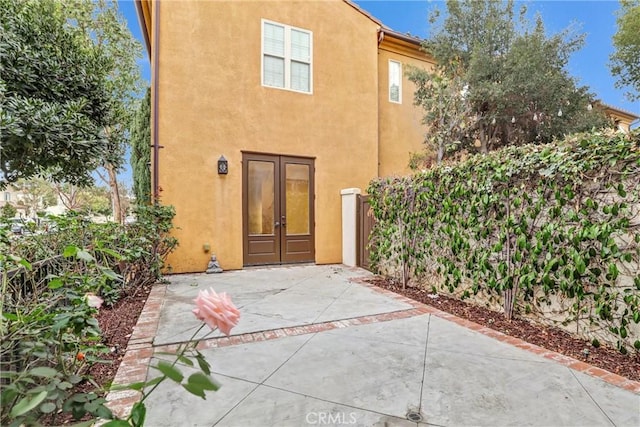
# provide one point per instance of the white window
(395, 81)
(286, 57)
(7, 196)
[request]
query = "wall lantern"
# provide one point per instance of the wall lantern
(223, 166)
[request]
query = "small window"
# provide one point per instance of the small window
(395, 81)
(286, 57)
(7, 196)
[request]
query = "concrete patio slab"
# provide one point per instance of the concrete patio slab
(346, 354)
(273, 407)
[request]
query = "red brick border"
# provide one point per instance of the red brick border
(576, 365)
(271, 334)
(135, 363)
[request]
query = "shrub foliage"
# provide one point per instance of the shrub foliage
(49, 334)
(524, 226)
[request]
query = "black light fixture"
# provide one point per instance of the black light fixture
(223, 166)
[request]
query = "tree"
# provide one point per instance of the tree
(89, 199)
(141, 151)
(510, 79)
(37, 194)
(95, 200)
(447, 110)
(104, 27)
(625, 61)
(8, 211)
(53, 92)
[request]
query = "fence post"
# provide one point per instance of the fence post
(349, 226)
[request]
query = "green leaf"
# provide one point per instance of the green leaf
(55, 283)
(84, 255)
(109, 273)
(195, 390)
(9, 316)
(26, 264)
(170, 371)
(203, 381)
(70, 251)
(26, 404)
(204, 365)
(43, 371)
(116, 423)
(47, 407)
(138, 414)
(185, 360)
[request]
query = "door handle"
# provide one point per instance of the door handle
(277, 224)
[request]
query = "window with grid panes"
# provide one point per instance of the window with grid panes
(286, 57)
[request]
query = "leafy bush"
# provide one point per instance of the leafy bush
(127, 257)
(49, 333)
(527, 226)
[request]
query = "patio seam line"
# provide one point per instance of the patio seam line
(595, 402)
(236, 405)
(265, 379)
(424, 365)
(332, 302)
(340, 403)
(140, 349)
(574, 364)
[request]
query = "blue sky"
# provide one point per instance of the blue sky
(596, 19)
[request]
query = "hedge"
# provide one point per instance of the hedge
(525, 226)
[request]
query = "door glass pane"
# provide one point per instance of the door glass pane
(261, 197)
(297, 198)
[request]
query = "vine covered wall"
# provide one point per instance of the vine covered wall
(527, 227)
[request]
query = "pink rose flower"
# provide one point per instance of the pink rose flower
(93, 300)
(216, 310)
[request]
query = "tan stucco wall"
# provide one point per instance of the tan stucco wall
(212, 103)
(401, 131)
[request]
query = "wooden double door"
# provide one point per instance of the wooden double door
(278, 209)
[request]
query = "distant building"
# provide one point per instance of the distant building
(623, 119)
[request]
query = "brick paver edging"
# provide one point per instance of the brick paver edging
(135, 363)
(570, 362)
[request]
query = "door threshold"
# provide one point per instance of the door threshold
(292, 264)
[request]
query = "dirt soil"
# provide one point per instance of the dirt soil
(116, 324)
(547, 337)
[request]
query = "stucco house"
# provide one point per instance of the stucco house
(302, 99)
(262, 112)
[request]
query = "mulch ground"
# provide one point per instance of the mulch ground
(116, 324)
(550, 338)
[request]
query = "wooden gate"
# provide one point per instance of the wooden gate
(364, 227)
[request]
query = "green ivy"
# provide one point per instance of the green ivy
(522, 224)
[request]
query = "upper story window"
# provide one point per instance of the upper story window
(395, 81)
(286, 57)
(7, 196)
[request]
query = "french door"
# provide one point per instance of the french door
(277, 209)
